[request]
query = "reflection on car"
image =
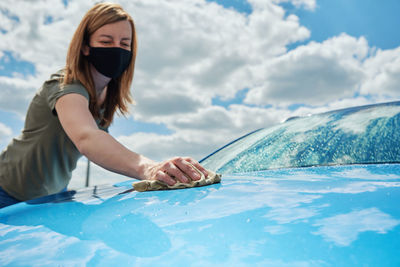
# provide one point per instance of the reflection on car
(349, 136)
(320, 190)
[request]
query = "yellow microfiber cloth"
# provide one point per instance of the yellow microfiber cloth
(153, 185)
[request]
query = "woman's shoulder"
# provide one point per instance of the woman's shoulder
(54, 86)
(56, 80)
(57, 77)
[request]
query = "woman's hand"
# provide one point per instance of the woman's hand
(176, 169)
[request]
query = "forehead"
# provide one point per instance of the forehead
(120, 29)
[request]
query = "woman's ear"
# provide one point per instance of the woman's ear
(85, 50)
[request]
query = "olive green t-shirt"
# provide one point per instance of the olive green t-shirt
(40, 161)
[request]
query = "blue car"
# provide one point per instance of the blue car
(321, 190)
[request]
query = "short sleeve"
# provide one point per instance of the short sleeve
(53, 91)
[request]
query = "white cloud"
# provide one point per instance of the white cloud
(343, 229)
(36, 41)
(7, 22)
(383, 74)
(201, 50)
(16, 93)
(29, 39)
(161, 147)
(235, 119)
(339, 104)
(5, 132)
(312, 74)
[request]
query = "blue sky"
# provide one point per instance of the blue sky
(378, 21)
(211, 71)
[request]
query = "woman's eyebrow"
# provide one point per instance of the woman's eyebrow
(111, 37)
(106, 35)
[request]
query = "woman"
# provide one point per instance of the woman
(69, 116)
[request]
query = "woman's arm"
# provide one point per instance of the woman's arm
(101, 148)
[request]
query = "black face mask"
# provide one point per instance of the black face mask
(110, 61)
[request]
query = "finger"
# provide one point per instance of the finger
(172, 170)
(198, 166)
(164, 177)
(187, 168)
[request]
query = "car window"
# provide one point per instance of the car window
(361, 135)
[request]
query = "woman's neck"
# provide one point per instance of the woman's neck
(100, 81)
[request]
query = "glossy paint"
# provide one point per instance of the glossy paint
(318, 216)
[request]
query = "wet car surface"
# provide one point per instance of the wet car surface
(323, 194)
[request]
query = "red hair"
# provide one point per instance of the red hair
(78, 68)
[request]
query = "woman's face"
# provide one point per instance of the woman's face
(118, 34)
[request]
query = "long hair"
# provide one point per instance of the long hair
(78, 68)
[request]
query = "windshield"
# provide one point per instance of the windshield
(362, 135)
